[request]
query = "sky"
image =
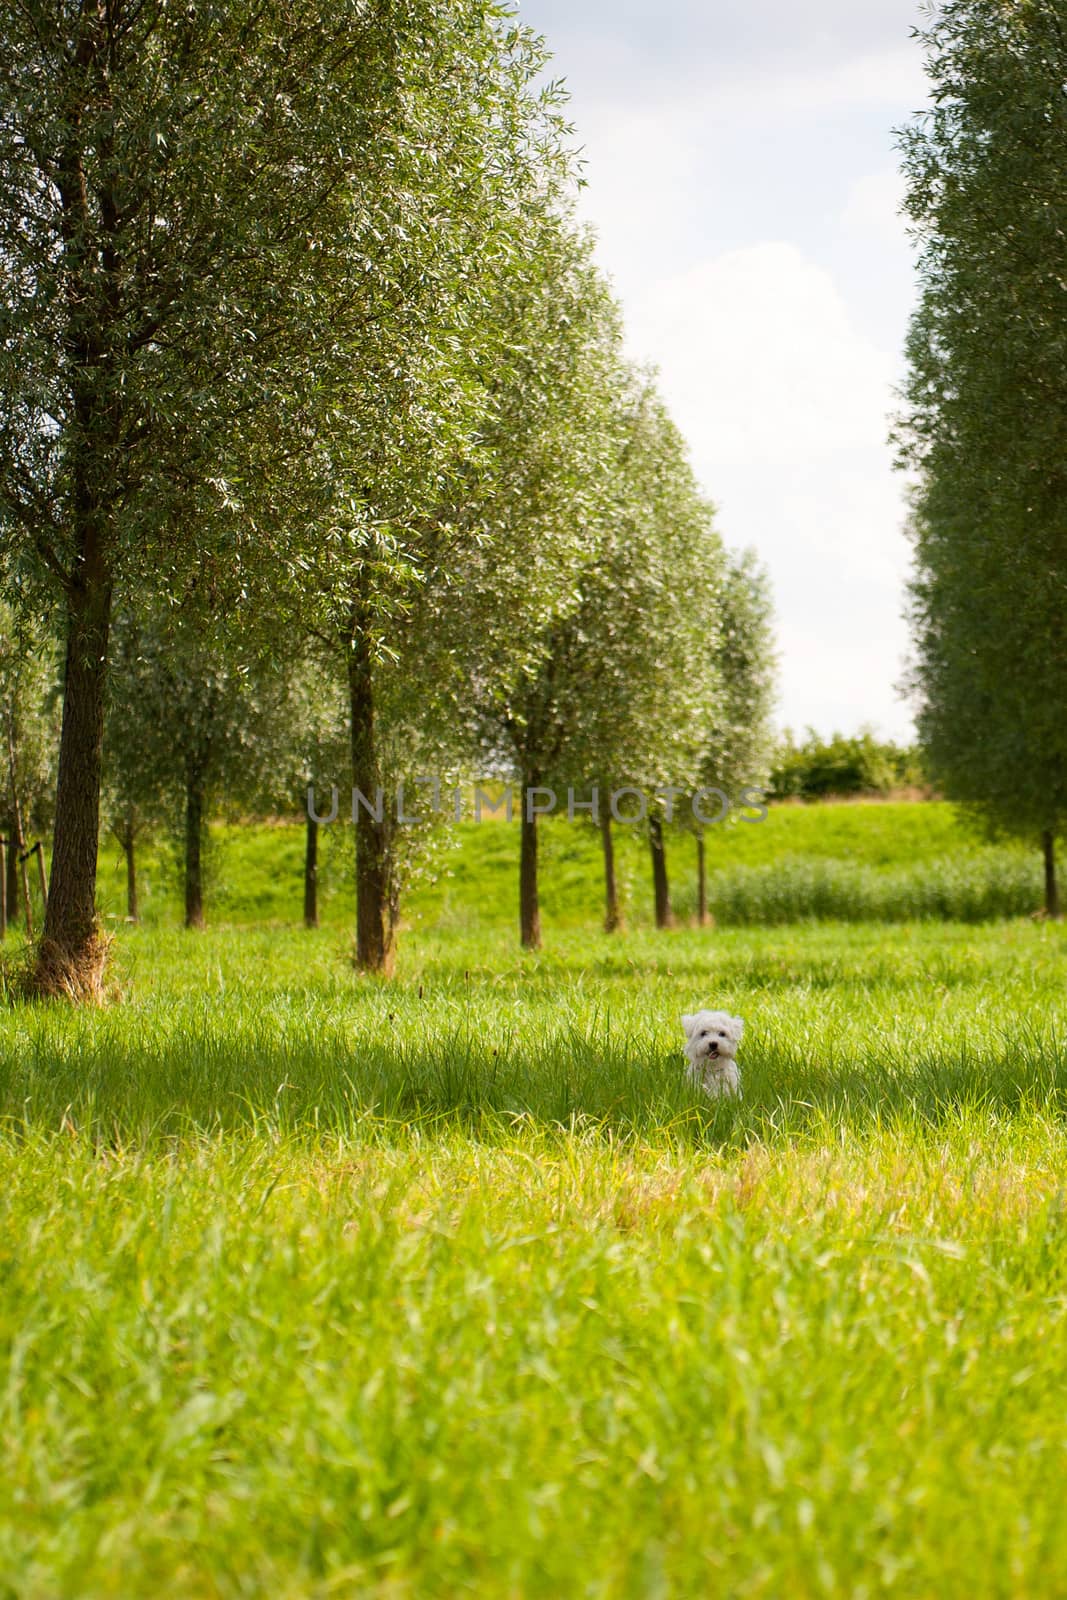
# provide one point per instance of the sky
(742, 176)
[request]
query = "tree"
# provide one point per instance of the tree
(737, 756)
(217, 223)
(658, 631)
(204, 726)
(650, 673)
(986, 420)
(453, 604)
(410, 500)
(315, 717)
(136, 759)
(28, 737)
(621, 679)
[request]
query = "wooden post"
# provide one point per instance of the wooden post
(133, 913)
(11, 878)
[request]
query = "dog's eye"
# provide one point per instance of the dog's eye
(721, 1034)
(703, 1033)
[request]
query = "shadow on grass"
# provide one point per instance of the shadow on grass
(303, 1086)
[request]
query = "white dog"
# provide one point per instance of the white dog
(711, 1041)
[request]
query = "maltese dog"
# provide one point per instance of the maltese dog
(711, 1041)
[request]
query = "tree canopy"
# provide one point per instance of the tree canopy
(303, 356)
(985, 427)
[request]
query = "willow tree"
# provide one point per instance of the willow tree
(738, 753)
(619, 679)
(642, 683)
(218, 223)
(405, 501)
(28, 740)
(465, 534)
(535, 507)
(986, 423)
(199, 725)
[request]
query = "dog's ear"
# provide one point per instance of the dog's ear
(737, 1028)
(688, 1024)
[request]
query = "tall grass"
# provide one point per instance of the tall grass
(243, 1029)
(980, 887)
(313, 1285)
(554, 1365)
(846, 862)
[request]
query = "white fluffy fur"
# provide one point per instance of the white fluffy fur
(711, 1041)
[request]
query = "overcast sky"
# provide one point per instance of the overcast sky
(742, 176)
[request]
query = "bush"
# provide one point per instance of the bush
(861, 765)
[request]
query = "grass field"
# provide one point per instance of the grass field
(862, 862)
(314, 1285)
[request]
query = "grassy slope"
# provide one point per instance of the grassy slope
(318, 1286)
(860, 862)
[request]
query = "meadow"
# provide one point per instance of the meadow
(853, 862)
(314, 1285)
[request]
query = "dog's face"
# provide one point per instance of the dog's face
(712, 1035)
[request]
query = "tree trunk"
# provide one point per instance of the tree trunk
(702, 882)
(311, 874)
(664, 916)
(194, 832)
(612, 916)
(71, 954)
(129, 846)
(11, 875)
(529, 901)
(3, 888)
(376, 900)
(24, 879)
(1052, 892)
(38, 851)
(18, 833)
(71, 957)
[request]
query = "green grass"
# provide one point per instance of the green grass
(862, 862)
(314, 1285)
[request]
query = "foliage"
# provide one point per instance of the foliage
(265, 194)
(740, 747)
(636, 671)
(29, 722)
(241, 244)
(986, 411)
(841, 765)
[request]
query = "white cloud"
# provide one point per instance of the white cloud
(742, 178)
(873, 205)
(784, 402)
(760, 360)
(697, 92)
(883, 78)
